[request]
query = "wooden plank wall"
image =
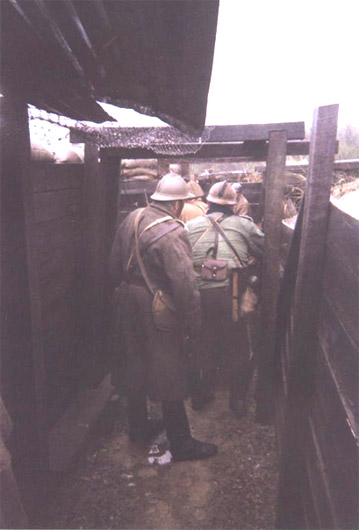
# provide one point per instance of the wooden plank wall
(58, 250)
(329, 491)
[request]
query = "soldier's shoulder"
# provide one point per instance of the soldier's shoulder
(247, 217)
(200, 220)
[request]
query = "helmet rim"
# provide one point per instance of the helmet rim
(166, 196)
(214, 198)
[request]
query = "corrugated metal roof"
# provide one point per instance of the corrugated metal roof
(151, 55)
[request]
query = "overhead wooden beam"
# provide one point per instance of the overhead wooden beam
(241, 133)
(215, 134)
(339, 165)
(253, 150)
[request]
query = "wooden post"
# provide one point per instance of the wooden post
(22, 363)
(95, 237)
(305, 316)
(163, 167)
(273, 210)
(185, 168)
(110, 171)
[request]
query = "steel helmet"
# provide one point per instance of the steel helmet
(172, 187)
(195, 188)
(222, 193)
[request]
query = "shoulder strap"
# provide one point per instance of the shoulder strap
(139, 257)
(219, 230)
(136, 248)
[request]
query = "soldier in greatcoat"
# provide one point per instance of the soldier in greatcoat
(155, 358)
(223, 342)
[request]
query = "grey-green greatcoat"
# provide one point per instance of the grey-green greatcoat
(155, 360)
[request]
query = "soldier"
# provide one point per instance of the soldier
(194, 207)
(151, 256)
(242, 206)
(223, 342)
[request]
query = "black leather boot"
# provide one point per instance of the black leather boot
(182, 445)
(141, 429)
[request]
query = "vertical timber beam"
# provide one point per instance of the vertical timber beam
(163, 166)
(110, 171)
(305, 317)
(23, 377)
(273, 209)
(185, 169)
(95, 237)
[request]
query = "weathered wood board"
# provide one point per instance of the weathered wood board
(329, 487)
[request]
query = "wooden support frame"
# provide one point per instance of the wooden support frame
(215, 133)
(248, 150)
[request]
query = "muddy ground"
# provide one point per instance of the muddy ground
(114, 486)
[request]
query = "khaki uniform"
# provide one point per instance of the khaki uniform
(193, 209)
(245, 236)
(223, 343)
(242, 207)
(155, 360)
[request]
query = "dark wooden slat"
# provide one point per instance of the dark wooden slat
(251, 150)
(237, 133)
(65, 309)
(342, 263)
(35, 297)
(55, 204)
(309, 506)
(64, 286)
(306, 311)
(49, 234)
(338, 445)
(51, 177)
(59, 346)
(342, 357)
(319, 484)
(21, 386)
(223, 133)
(341, 290)
(62, 262)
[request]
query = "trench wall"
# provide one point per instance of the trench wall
(323, 488)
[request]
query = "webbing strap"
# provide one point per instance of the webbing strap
(136, 247)
(220, 230)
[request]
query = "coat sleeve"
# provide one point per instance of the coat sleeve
(178, 267)
(255, 240)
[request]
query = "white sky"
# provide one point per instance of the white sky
(277, 60)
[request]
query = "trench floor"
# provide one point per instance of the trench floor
(114, 486)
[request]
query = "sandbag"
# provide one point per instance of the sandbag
(67, 154)
(139, 162)
(41, 153)
(135, 172)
